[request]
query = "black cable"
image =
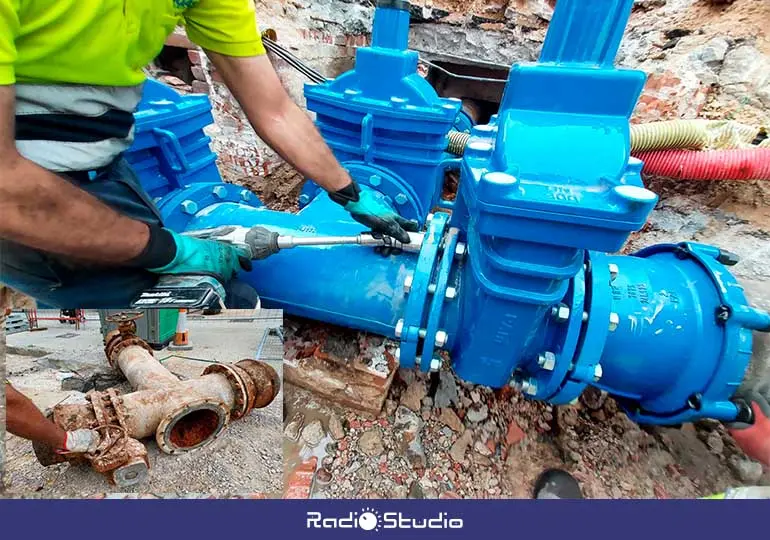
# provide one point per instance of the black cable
(293, 61)
(458, 76)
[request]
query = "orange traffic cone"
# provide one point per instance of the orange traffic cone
(182, 336)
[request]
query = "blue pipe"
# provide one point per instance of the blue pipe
(514, 280)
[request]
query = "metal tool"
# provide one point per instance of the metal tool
(183, 291)
(205, 292)
(263, 242)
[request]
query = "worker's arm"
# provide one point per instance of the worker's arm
(278, 120)
(42, 210)
(754, 439)
(25, 420)
(290, 132)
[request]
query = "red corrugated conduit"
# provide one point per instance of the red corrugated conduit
(742, 164)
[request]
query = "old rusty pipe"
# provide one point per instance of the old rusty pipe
(182, 415)
(142, 370)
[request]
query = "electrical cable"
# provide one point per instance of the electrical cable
(458, 76)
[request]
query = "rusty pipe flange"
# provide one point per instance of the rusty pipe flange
(132, 473)
(266, 381)
(243, 387)
(191, 426)
(135, 470)
(119, 342)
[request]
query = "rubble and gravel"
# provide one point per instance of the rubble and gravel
(455, 452)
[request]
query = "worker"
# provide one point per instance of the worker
(77, 228)
(25, 420)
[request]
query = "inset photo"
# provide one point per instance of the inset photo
(166, 402)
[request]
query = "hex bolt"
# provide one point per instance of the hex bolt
(614, 270)
(246, 195)
(598, 372)
(451, 293)
(408, 280)
(614, 321)
(401, 199)
(547, 360)
(304, 198)
(220, 192)
(431, 288)
(422, 332)
(441, 338)
(460, 250)
(560, 313)
(728, 258)
(529, 387)
(399, 328)
(585, 316)
(435, 364)
(375, 180)
(189, 207)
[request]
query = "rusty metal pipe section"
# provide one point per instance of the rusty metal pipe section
(181, 415)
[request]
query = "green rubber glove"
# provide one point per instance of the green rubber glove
(199, 256)
(372, 212)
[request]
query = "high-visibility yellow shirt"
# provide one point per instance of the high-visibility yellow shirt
(108, 42)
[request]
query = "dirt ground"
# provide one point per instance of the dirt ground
(245, 459)
(486, 444)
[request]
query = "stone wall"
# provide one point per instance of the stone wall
(704, 58)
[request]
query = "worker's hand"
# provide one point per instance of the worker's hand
(372, 212)
(80, 441)
(198, 256)
(754, 439)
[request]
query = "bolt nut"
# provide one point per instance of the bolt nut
(728, 258)
(220, 192)
(529, 387)
(408, 280)
(614, 321)
(441, 338)
(460, 250)
(401, 199)
(614, 270)
(304, 198)
(598, 372)
(451, 293)
(547, 360)
(189, 207)
(246, 195)
(399, 328)
(560, 313)
(435, 364)
(375, 180)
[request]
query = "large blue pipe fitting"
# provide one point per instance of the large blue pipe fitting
(384, 122)
(515, 282)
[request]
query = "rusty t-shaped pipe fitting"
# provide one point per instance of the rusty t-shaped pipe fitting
(182, 415)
